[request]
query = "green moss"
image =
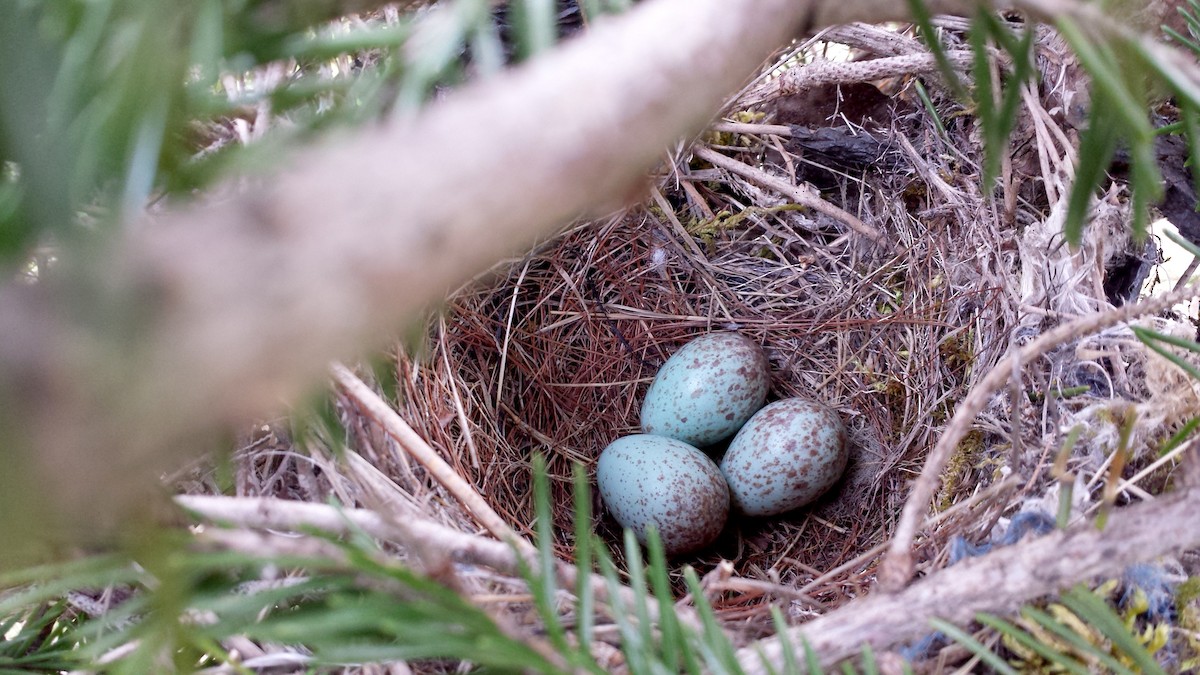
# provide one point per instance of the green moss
(967, 457)
(725, 220)
(1188, 591)
(958, 351)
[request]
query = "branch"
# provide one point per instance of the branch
(997, 582)
(282, 514)
(216, 314)
(897, 567)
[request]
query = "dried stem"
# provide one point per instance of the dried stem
(285, 515)
(800, 195)
(897, 567)
(383, 415)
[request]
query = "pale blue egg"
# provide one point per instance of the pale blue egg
(653, 480)
(786, 456)
(707, 390)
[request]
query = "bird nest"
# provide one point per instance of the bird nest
(834, 216)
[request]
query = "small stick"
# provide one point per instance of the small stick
(799, 195)
(828, 72)
(395, 426)
(288, 515)
(897, 566)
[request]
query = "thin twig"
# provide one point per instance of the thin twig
(826, 72)
(799, 195)
(897, 567)
(286, 515)
(383, 415)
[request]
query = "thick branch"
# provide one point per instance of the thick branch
(221, 312)
(997, 582)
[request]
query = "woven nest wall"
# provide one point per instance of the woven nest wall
(889, 302)
(553, 353)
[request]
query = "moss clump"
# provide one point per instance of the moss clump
(965, 459)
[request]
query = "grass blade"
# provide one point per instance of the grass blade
(674, 645)
(924, 21)
(1075, 640)
(975, 646)
(1059, 659)
(1151, 338)
(1187, 245)
(545, 585)
(721, 655)
(637, 581)
(1092, 609)
(632, 647)
(790, 665)
(583, 560)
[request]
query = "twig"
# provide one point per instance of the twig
(280, 514)
(751, 128)
(897, 567)
(799, 195)
(941, 516)
(825, 72)
(391, 422)
(997, 582)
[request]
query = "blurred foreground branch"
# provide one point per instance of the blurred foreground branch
(223, 312)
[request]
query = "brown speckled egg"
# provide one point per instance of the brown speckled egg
(653, 480)
(786, 456)
(707, 390)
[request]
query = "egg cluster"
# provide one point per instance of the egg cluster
(784, 455)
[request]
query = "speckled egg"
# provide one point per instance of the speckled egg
(786, 456)
(707, 390)
(654, 480)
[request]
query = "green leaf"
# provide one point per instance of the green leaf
(975, 646)
(1180, 436)
(715, 645)
(1062, 661)
(1184, 243)
(790, 665)
(811, 660)
(1075, 639)
(674, 643)
(584, 541)
(435, 45)
(928, 33)
(1097, 145)
(535, 25)
(1092, 609)
(1103, 65)
(545, 585)
(1151, 338)
(932, 110)
(869, 665)
(635, 650)
(637, 581)
(998, 121)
